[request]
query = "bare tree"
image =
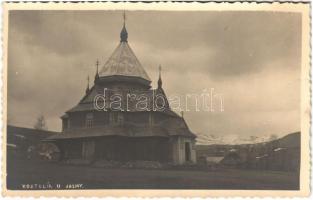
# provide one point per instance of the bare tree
(41, 123)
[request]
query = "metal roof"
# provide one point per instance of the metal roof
(123, 62)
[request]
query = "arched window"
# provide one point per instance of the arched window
(120, 118)
(117, 118)
(151, 119)
(89, 120)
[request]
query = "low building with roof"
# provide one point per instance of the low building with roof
(122, 118)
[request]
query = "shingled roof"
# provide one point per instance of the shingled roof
(167, 128)
(128, 103)
(123, 61)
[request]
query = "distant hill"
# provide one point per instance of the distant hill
(19, 139)
(205, 139)
(289, 141)
(279, 154)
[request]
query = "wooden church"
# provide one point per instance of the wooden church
(131, 131)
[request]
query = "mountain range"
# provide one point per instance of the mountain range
(209, 139)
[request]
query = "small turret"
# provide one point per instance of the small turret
(87, 89)
(97, 72)
(160, 79)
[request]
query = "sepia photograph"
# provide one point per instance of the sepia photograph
(119, 97)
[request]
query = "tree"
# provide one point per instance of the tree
(40, 123)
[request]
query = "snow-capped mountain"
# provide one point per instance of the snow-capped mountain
(204, 139)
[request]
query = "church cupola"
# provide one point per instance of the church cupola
(160, 79)
(123, 65)
(124, 34)
(97, 72)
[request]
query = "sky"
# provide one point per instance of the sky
(251, 59)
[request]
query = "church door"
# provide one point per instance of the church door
(88, 149)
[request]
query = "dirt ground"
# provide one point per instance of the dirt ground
(40, 175)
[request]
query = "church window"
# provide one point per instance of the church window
(120, 118)
(114, 117)
(117, 118)
(151, 119)
(89, 120)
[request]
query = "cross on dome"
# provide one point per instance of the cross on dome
(124, 34)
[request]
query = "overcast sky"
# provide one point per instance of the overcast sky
(252, 58)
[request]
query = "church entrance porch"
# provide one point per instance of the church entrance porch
(183, 150)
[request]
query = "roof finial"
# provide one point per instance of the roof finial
(124, 34)
(124, 18)
(182, 114)
(87, 89)
(97, 72)
(160, 80)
